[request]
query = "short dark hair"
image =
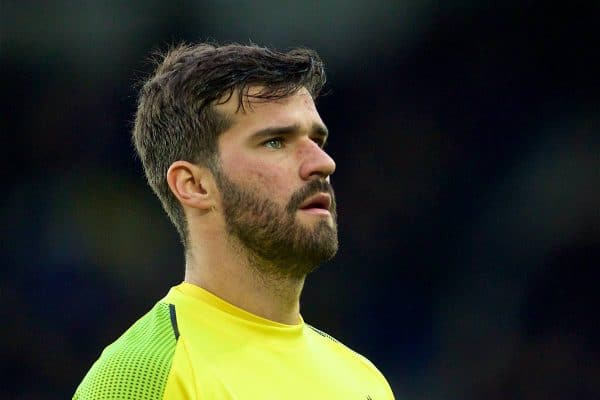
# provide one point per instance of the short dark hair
(176, 118)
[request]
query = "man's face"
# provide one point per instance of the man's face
(274, 181)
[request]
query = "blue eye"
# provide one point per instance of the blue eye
(275, 143)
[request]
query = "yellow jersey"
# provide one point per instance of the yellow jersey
(194, 345)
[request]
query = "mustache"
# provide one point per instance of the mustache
(312, 188)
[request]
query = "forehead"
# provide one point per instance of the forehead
(298, 108)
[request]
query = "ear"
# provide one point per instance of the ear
(192, 185)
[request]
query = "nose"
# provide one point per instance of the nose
(315, 162)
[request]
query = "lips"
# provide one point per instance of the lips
(318, 201)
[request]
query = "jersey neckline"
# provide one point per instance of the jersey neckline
(243, 319)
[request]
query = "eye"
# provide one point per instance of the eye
(274, 143)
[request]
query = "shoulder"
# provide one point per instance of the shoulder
(137, 365)
(341, 348)
(351, 357)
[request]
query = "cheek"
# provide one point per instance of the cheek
(264, 177)
(271, 178)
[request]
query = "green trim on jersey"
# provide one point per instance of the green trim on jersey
(137, 365)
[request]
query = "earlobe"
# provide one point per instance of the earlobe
(191, 185)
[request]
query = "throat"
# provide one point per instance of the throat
(250, 283)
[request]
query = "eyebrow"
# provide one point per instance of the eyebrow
(316, 129)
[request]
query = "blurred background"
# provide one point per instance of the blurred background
(466, 136)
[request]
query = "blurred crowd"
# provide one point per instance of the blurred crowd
(466, 138)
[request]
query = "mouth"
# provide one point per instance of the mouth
(317, 204)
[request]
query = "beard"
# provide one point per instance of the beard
(275, 241)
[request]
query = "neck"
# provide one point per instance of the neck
(226, 270)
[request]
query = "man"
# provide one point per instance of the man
(232, 144)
